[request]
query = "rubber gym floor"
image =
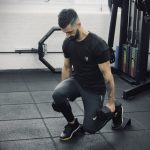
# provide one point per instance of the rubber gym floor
(27, 121)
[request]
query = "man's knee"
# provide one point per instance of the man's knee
(61, 107)
(90, 125)
(89, 130)
(58, 97)
(60, 101)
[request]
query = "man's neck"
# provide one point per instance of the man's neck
(83, 34)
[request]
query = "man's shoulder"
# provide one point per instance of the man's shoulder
(66, 43)
(66, 40)
(96, 37)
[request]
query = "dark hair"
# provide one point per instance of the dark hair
(66, 17)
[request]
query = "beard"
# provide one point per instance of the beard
(76, 36)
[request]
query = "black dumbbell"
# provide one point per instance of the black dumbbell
(103, 115)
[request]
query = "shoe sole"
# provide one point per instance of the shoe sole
(68, 138)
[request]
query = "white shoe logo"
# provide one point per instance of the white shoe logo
(86, 59)
(95, 118)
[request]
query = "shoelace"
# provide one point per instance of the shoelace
(68, 128)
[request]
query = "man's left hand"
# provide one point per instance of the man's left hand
(111, 106)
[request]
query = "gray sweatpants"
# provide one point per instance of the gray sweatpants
(71, 89)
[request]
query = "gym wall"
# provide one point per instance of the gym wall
(22, 29)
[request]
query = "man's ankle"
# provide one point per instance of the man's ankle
(72, 122)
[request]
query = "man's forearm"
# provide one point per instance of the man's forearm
(66, 73)
(110, 91)
(109, 80)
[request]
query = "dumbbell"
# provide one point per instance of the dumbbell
(103, 115)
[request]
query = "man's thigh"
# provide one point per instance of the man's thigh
(92, 102)
(67, 89)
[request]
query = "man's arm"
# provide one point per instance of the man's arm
(110, 85)
(66, 70)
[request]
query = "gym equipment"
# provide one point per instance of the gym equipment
(104, 115)
(129, 53)
(133, 65)
(42, 49)
(126, 46)
(112, 56)
(143, 5)
(141, 52)
(132, 54)
(112, 28)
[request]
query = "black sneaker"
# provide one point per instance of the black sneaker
(117, 119)
(69, 131)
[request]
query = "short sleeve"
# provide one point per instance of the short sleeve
(65, 48)
(101, 52)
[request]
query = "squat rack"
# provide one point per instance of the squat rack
(141, 83)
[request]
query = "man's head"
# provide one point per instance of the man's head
(69, 23)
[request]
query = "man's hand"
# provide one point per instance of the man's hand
(111, 106)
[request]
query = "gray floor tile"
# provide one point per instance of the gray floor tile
(15, 98)
(133, 140)
(80, 104)
(118, 92)
(47, 110)
(55, 125)
(120, 83)
(42, 85)
(143, 118)
(148, 96)
(14, 94)
(38, 76)
(22, 129)
(13, 87)
(10, 76)
(144, 94)
(58, 77)
(42, 96)
(35, 144)
(84, 142)
(26, 111)
(76, 109)
(147, 93)
(135, 125)
(137, 104)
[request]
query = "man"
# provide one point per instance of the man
(86, 73)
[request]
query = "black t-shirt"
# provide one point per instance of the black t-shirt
(85, 57)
